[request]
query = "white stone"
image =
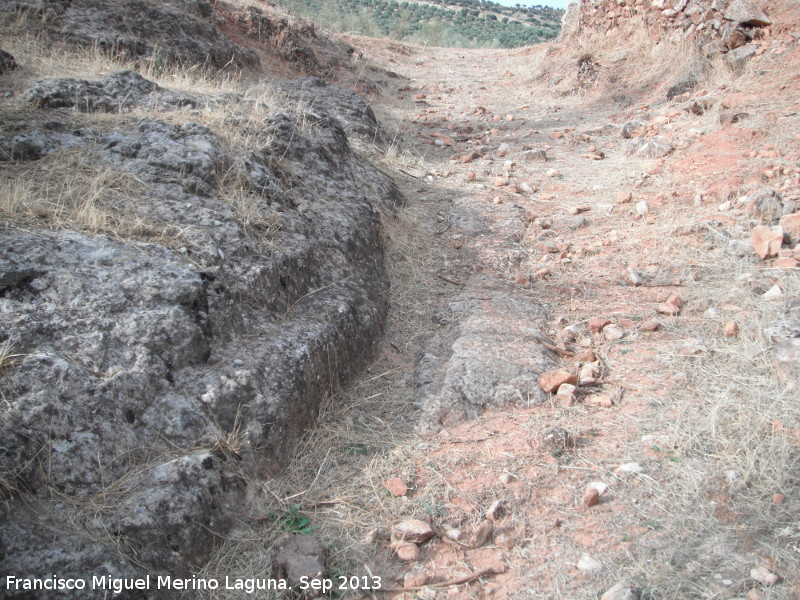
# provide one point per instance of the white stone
(587, 563)
(773, 293)
(630, 467)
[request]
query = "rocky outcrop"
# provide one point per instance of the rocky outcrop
(214, 36)
(720, 24)
(117, 92)
(165, 32)
(7, 62)
(302, 44)
(154, 374)
(489, 357)
(349, 108)
(489, 350)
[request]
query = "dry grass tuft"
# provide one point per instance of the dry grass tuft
(71, 189)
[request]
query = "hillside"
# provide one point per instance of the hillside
(465, 23)
(417, 322)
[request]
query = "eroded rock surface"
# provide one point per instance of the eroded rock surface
(167, 32)
(489, 353)
(348, 107)
(490, 357)
(161, 372)
(113, 93)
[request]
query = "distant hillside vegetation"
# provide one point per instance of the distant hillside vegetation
(455, 23)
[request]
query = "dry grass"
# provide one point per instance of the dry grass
(77, 189)
(733, 441)
(628, 68)
(71, 189)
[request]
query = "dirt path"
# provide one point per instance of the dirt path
(534, 254)
(579, 247)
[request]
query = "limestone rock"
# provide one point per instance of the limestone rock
(739, 57)
(412, 530)
(491, 356)
(655, 147)
(118, 336)
(168, 33)
(633, 129)
(37, 143)
(298, 557)
(746, 12)
(348, 107)
(118, 92)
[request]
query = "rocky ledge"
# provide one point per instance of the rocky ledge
(151, 367)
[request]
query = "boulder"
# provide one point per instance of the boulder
(655, 147)
(118, 92)
(747, 13)
(7, 62)
(351, 109)
(739, 57)
(489, 358)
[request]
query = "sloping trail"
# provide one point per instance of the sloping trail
(565, 252)
(486, 277)
(565, 249)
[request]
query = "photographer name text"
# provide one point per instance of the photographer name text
(117, 585)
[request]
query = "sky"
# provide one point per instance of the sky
(553, 3)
